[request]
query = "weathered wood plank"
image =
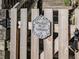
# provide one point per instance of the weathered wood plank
(77, 26)
(42, 55)
(13, 33)
(48, 43)
(58, 7)
(63, 34)
(23, 34)
(56, 48)
(53, 3)
(34, 39)
(56, 27)
(0, 4)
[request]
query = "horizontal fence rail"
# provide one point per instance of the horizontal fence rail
(50, 45)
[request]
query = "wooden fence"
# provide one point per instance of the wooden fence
(50, 46)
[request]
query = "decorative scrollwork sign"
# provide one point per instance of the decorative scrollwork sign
(41, 27)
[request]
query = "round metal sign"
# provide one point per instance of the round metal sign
(41, 27)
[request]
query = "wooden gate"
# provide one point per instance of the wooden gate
(50, 46)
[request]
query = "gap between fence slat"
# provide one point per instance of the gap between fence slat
(23, 34)
(34, 39)
(63, 34)
(48, 43)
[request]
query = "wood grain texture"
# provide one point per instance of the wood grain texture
(48, 43)
(34, 39)
(63, 34)
(13, 33)
(23, 34)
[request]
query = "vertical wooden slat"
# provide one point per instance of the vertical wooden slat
(23, 34)
(0, 4)
(34, 39)
(48, 43)
(77, 26)
(13, 33)
(63, 34)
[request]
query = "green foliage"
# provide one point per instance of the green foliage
(67, 2)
